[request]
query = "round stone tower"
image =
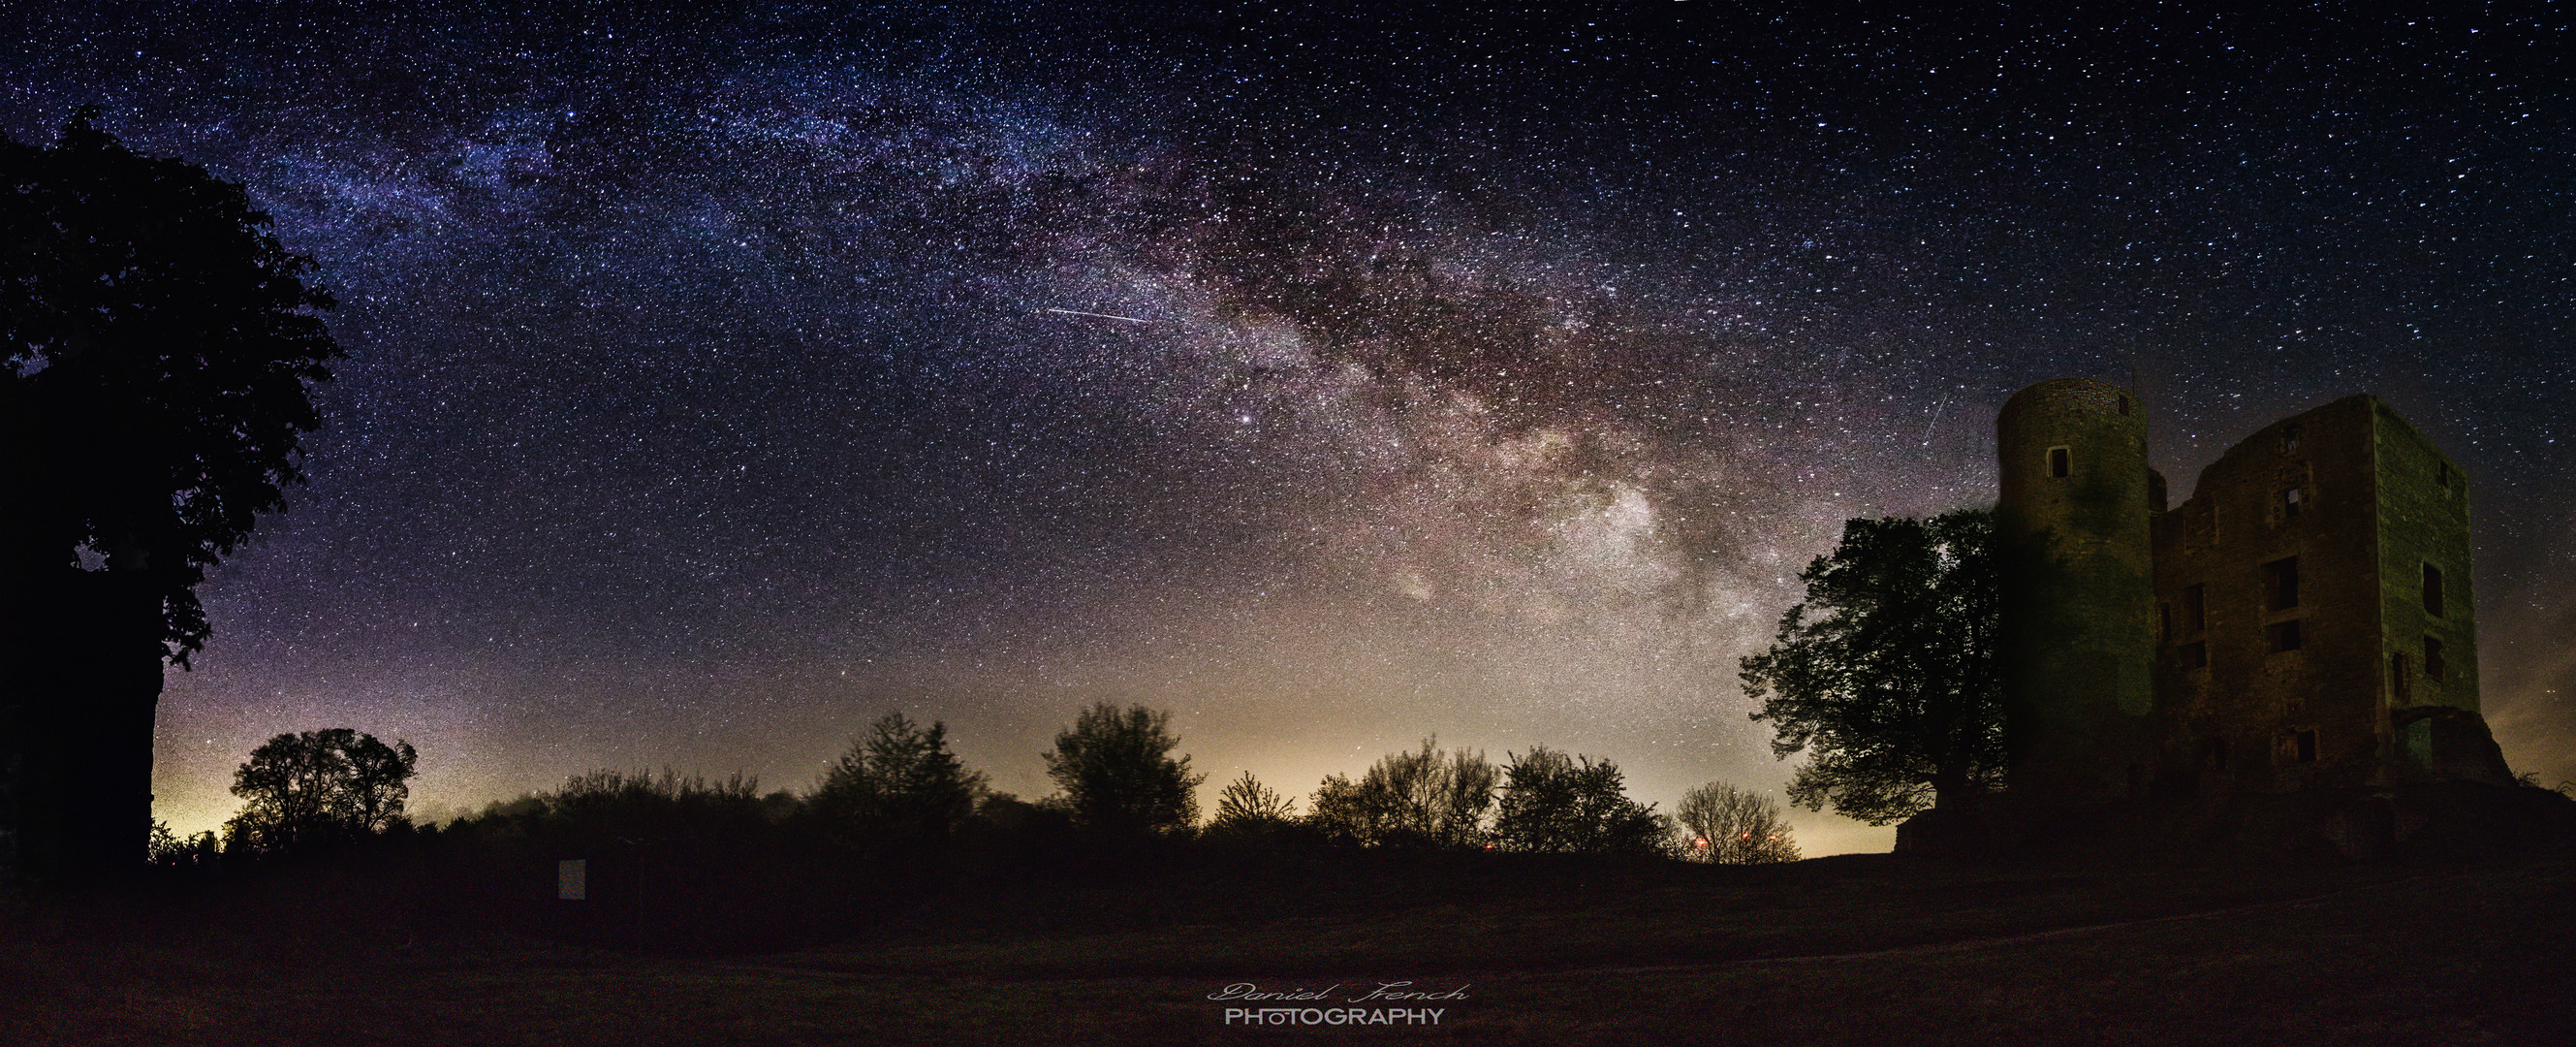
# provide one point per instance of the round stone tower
(2078, 625)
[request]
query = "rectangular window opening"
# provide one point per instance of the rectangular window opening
(2432, 659)
(2195, 655)
(2432, 590)
(2124, 407)
(2442, 475)
(2061, 461)
(2164, 622)
(2290, 503)
(2281, 584)
(2290, 438)
(2304, 746)
(2283, 635)
(2195, 609)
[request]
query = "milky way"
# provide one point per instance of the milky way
(1332, 377)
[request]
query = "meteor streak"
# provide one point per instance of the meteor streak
(1104, 316)
(1936, 418)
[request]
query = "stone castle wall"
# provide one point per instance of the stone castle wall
(2078, 586)
(2271, 633)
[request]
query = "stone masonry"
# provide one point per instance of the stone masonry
(2302, 621)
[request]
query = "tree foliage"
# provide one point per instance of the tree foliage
(1117, 772)
(1887, 673)
(1729, 826)
(897, 784)
(319, 787)
(1418, 798)
(157, 351)
(1573, 805)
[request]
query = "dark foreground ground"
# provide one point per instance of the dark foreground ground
(1847, 950)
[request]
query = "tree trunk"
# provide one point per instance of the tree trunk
(80, 684)
(1950, 788)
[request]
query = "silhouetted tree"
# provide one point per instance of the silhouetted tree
(898, 784)
(1729, 826)
(157, 350)
(319, 787)
(1575, 805)
(1117, 775)
(1420, 798)
(1888, 670)
(1251, 814)
(1246, 802)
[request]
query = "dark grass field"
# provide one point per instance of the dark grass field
(1864, 949)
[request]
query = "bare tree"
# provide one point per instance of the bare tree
(1729, 826)
(1245, 802)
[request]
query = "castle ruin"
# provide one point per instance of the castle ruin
(2302, 622)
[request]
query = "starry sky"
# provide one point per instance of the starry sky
(721, 377)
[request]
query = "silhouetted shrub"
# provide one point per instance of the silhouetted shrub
(1246, 802)
(667, 862)
(170, 850)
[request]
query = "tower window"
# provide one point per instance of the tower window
(2281, 584)
(2432, 590)
(2442, 475)
(2432, 658)
(2164, 622)
(2290, 438)
(2290, 503)
(2061, 461)
(2195, 655)
(2124, 407)
(2303, 747)
(2283, 635)
(2195, 609)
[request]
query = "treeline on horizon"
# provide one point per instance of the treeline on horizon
(711, 860)
(899, 786)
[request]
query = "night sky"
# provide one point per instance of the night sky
(1330, 376)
